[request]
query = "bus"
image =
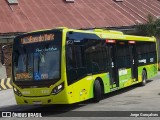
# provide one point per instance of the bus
(66, 66)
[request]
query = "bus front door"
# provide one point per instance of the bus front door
(134, 62)
(113, 72)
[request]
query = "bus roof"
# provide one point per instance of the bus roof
(112, 34)
(106, 34)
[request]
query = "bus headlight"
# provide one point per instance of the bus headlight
(17, 92)
(58, 89)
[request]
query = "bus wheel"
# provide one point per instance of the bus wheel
(97, 91)
(144, 78)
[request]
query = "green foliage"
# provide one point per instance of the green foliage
(151, 28)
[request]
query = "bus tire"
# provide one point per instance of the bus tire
(144, 78)
(97, 91)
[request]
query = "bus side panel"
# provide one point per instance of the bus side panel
(150, 69)
(105, 79)
(83, 89)
(80, 90)
(125, 78)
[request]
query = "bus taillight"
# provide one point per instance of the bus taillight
(131, 42)
(110, 41)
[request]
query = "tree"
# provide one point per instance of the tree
(150, 28)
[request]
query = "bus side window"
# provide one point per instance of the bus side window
(146, 52)
(123, 55)
(75, 63)
(71, 64)
(80, 61)
(95, 56)
(70, 58)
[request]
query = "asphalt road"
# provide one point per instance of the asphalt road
(134, 98)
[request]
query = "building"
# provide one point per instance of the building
(20, 16)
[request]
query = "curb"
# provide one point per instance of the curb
(5, 84)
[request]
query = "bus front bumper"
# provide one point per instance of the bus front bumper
(40, 100)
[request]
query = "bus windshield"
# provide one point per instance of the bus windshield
(37, 61)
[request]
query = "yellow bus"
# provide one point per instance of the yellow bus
(65, 66)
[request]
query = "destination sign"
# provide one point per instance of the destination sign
(37, 38)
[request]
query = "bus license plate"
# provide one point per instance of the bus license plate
(37, 102)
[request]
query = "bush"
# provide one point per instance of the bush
(159, 66)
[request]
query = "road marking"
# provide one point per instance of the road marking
(2, 84)
(8, 83)
(5, 83)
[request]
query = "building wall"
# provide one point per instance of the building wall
(5, 71)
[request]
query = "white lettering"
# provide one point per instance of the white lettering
(134, 115)
(25, 92)
(122, 72)
(46, 49)
(142, 61)
(148, 115)
(151, 59)
(45, 91)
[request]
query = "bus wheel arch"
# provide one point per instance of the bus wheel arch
(144, 77)
(144, 69)
(101, 83)
(98, 89)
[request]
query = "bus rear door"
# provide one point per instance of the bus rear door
(133, 58)
(113, 72)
